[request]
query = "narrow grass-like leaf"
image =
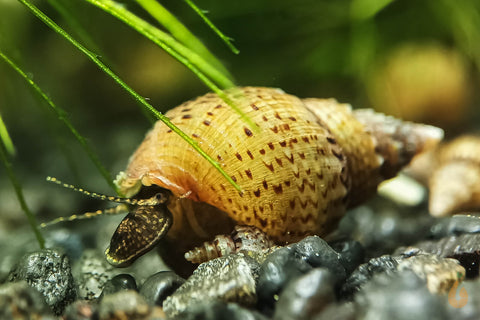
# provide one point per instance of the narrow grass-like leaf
(65, 10)
(201, 14)
(193, 61)
(62, 116)
(180, 32)
(5, 138)
(21, 199)
(50, 23)
(214, 79)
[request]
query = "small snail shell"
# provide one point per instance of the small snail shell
(308, 161)
(452, 173)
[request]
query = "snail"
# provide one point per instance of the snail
(452, 173)
(305, 164)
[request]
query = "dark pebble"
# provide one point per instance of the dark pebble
(275, 272)
(365, 272)
(306, 295)
(455, 225)
(351, 252)
(20, 301)
(399, 296)
(217, 310)
(317, 253)
(49, 272)
(290, 262)
(118, 283)
(159, 286)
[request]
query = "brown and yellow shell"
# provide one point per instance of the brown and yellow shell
(305, 164)
(452, 173)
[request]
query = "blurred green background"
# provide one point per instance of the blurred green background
(418, 60)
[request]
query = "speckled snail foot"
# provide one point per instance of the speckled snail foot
(309, 161)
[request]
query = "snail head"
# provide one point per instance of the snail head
(146, 223)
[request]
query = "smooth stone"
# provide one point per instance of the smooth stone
(217, 310)
(335, 311)
(351, 252)
(317, 253)
(159, 286)
(275, 272)
(118, 283)
(229, 279)
(48, 271)
(306, 296)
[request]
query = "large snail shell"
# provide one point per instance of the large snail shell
(307, 162)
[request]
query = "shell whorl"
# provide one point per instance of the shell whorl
(452, 173)
(309, 159)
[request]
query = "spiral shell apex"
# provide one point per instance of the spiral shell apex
(307, 163)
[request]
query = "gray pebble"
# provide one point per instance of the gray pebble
(127, 304)
(230, 279)
(18, 300)
(399, 296)
(159, 286)
(455, 225)
(49, 272)
(365, 272)
(92, 272)
(306, 296)
(334, 311)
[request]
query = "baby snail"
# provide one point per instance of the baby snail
(307, 162)
(451, 171)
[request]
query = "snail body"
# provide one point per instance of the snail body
(306, 163)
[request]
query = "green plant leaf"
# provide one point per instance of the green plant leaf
(201, 14)
(213, 78)
(180, 32)
(19, 193)
(61, 114)
(5, 138)
(141, 100)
